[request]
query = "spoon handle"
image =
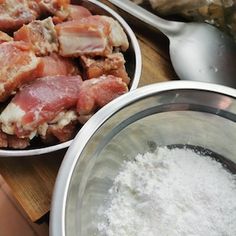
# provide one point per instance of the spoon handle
(169, 28)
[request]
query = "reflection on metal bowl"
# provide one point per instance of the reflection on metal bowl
(177, 113)
(133, 67)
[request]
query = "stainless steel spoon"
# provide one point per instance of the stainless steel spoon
(198, 51)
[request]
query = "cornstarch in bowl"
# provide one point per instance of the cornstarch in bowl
(172, 191)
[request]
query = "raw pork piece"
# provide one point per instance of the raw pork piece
(65, 133)
(62, 128)
(11, 141)
(39, 102)
(15, 13)
(17, 143)
(95, 93)
(113, 64)
(86, 36)
(78, 12)
(41, 35)
(5, 37)
(57, 8)
(91, 36)
(57, 65)
(18, 64)
(117, 35)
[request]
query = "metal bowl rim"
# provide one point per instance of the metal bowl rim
(73, 153)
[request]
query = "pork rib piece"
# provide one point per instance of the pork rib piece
(56, 65)
(62, 128)
(91, 36)
(41, 35)
(86, 36)
(113, 64)
(39, 102)
(117, 36)
(15, 13)
(57, 8)
(77, 12)
(95, 93)
(18, 64)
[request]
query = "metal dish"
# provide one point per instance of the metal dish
(133, 66)
(196, 114)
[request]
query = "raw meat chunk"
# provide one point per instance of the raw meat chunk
(57, 65)
(15, 13)
(17, 143)
(87, 36)
(62, 127)
(5, 37)
(78, 12)
(41, 35)
(117, 35)
(57, 8)
(11, 141)
(39, 102)
(95, 93)
(18, 64)
(91, 36)
(113, 64)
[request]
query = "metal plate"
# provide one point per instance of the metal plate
(133, 66)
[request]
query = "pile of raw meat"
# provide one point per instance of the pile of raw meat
(59, 65)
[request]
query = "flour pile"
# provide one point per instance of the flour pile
(174, 192)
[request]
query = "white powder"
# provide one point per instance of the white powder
(174, 192)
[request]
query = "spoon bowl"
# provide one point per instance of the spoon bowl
(198, 51)
(201, 52)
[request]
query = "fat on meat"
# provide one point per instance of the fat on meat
(97, 92)
(62, 128)
(91, 36)
(65, 133)
(113, 64)
(117, 36)
(15, 13)
(86, 36)
(39, 102)
(4, 37)
(41, 35)
(18, 65)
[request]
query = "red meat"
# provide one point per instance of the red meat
(95, 93)
(39, 102)
(18, 64)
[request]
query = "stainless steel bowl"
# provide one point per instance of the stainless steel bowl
(196, 114)
(133, 66)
